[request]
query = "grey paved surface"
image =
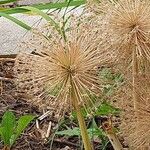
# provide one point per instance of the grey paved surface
(11, 34)
(27, 2)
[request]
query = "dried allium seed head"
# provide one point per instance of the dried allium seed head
(47, 73)
(97, 7)
(127, 22)
(135, 124)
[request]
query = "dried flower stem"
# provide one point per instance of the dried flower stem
(114, 141)
(82, 125)
(108, 128)
(6, 148)
(134, 74)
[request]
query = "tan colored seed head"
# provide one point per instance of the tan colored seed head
(127, 26)
(48, 71)
(135, 123)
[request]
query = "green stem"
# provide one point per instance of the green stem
(81, 121)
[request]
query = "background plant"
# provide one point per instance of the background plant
(38, 9)
(10, 129)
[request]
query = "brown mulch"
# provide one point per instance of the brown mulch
(11, 99)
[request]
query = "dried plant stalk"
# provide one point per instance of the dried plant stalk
(108, 128)
(126, 25)
(134, 75)
(82, 125)
(63, 76)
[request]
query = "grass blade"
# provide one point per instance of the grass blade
(18, 22)
(44, 15)
(7, 1)
(44, 6)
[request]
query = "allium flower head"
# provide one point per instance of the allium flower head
(128, 24)
(48, 72)
(135, 123)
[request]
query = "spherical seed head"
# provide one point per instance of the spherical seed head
(97, 7)
(47, 73)
(127, 23)
(135, 124)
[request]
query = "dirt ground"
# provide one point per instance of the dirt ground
(11, 99)
(34, 136)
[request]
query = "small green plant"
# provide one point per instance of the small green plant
(111, 81)
(10, 129)
(94, 126)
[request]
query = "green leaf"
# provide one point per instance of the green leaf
(6, 1)
(107, 109)
(44, 6)
(22, 123)
(7, 127)
(37, 11)
(70, 132)
(20, 23)
(44, 15)
(76, 132)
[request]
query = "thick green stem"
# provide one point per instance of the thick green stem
(81, 121)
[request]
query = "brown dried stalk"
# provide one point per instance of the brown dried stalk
(108, 128)
(63, 75)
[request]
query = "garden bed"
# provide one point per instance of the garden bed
(13, 100)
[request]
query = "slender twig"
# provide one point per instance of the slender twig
(134, 73)
(5, 79)
(8, 56)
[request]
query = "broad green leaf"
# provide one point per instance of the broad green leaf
(7, 127)
(20, 23)
(95, 132)
(22, 123)
(6, 1)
